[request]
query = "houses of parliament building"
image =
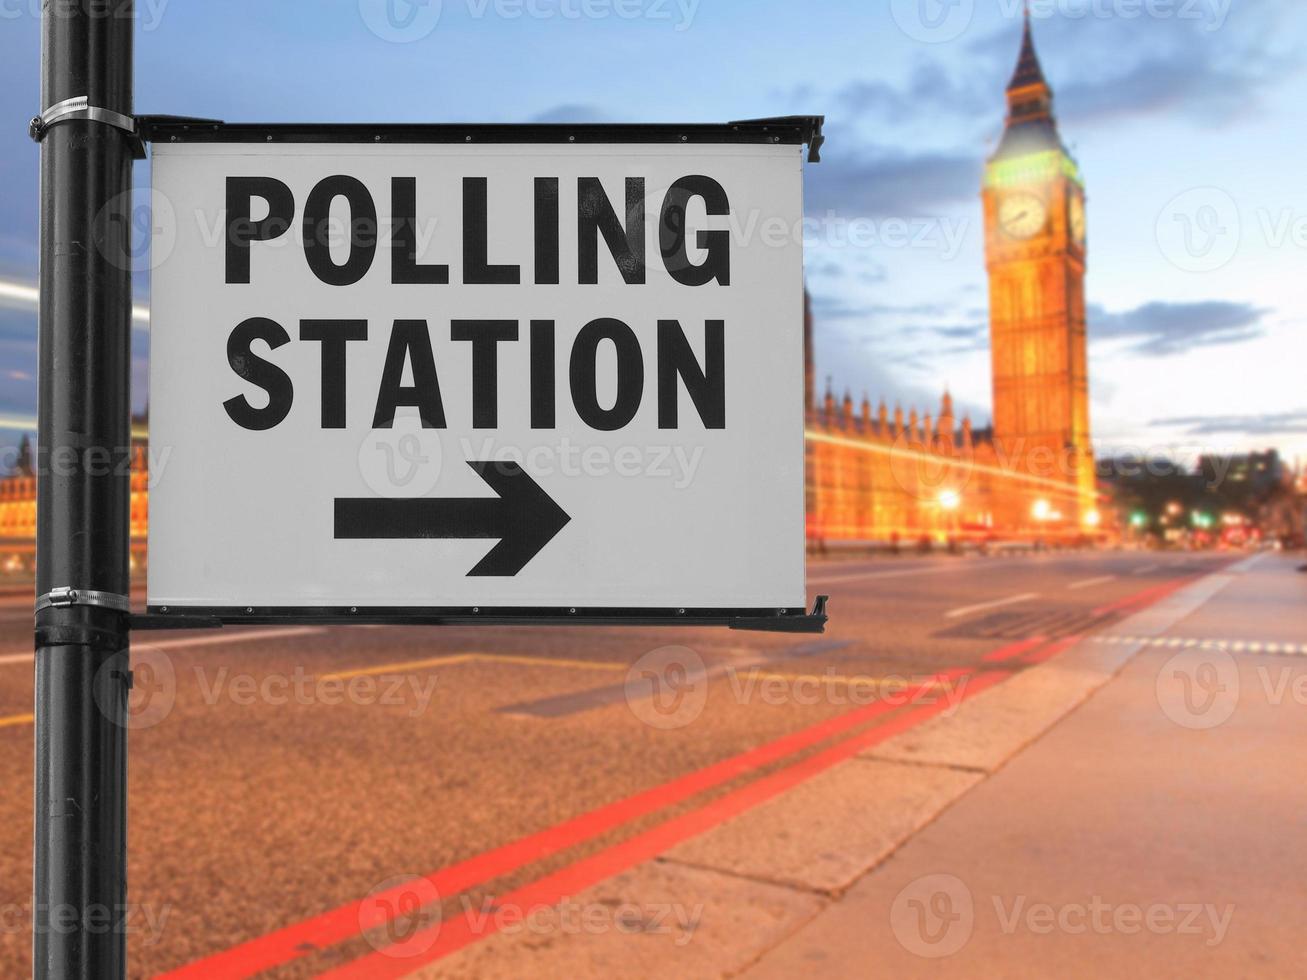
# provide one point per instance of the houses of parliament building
(876, 477)
(879, 477)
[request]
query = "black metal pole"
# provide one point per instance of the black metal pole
(83, 498)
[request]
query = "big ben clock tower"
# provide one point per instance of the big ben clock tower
(1035, 255)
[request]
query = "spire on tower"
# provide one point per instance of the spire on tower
(1028, 71)
(1030, 125)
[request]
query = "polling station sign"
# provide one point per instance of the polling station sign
(423, 369)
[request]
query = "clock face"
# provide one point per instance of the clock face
(1076, 216)
(1022, 215)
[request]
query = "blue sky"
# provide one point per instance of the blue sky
(1185, 116)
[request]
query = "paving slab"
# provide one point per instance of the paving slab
(828, 831)
(658, 920)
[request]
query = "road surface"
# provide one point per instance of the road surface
(280, 776)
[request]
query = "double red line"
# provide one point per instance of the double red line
(431, 943)
(1156, 593)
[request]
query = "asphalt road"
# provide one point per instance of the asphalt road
(277, 775)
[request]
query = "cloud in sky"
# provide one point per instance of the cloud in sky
(572, 113)
(881, 182)
(1159, 329)
(1270, 424)
(929, 90)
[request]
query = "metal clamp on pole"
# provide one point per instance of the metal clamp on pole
(80, 108)
(68, 596)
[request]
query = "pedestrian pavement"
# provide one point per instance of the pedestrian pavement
(1159, 829)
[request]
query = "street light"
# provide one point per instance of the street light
(1092, 518)
(949, 499)
(1040, 510)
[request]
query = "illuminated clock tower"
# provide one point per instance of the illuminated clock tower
(1035, 254)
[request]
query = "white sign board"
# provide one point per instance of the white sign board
(445, 375)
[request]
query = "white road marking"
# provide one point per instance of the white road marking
(210, 638)
(1087, 582)
(898, 573)
(1144, 570)
(963, 610)
(1189, 643)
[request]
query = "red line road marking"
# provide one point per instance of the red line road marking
(354, 918)
(442, 939)
(1160, 592)
(1145, 598)
(1050, 651)
(1013, 650)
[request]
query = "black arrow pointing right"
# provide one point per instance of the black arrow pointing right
(522, 516)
